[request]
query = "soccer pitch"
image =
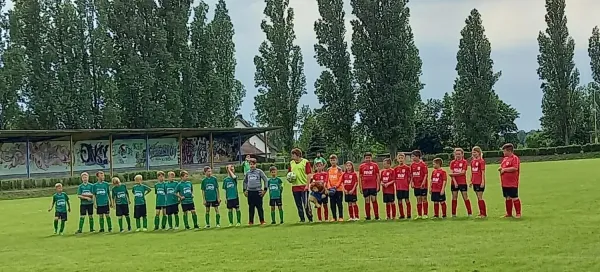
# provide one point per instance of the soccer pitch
(559, 231)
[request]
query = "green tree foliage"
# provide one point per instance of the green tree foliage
(387, 69)
(429, 127)
(560, 77)
(334, 86)
(11, 74)
(279, 73)
(594, 53)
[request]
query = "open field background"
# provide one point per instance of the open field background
(558, 232)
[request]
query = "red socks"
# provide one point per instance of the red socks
(444, 208)
(393, 210)
(468, 205)
(319, 216)
(425, 208)
(388, 211)
(368, 209)
(326, 211)
(436, 209)
(517, 204)
(355, 211)
(454, 205)
(482, 210)
(508, 205)
(400, 209)
(408, 209)
(375, 208)
(419, 208)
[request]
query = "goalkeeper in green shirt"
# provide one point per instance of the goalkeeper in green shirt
(121, 199)
(275, 186)
(61, 201)
(140, 211)
(232, 196)
(185, 192)
(210, 189)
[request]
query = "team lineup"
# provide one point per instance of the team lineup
(317, 189)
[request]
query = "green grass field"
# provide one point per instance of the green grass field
(559, 231)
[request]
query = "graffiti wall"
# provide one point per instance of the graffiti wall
(164, 151)
(91, 155)
(45, 157)
(196, 150)
(130, 153)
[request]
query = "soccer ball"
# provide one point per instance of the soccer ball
(291, 177)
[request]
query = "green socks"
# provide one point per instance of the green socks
(207, 218)
(109, 223)
(280, 215)
(101, 223)
(230, 216)
(137, 223)
(62, 226)
(185, 221)
(156, 222)
(218, 219)
(55, 226)
(120, 223)
(128, 219)
(81, 221)
(164, 222)
(145, 222)
(177, 220)
(170, 220)
(91, 224)
(273, 217)
(239, 216)
(195, 220)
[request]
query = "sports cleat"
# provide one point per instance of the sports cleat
(187, 228)
(408, 217)
(121, 231)
(144, 229)
(101, 230)
(61, 234)
(109, 230)
(281, 223)
(238, 224)
(230, 225)
(401, 217)
(92, 230)
(78, 232)
(273, 223)
(218, 226)
(55, 232)
(176, 228)
(425, 216)
(507, 216)
(250, 223)
(417, 217)
(435, 217)
(332, 220)
(368, 219)
(518, 216)
(377, 218)
(339, 220)
(454, 216)
(196, 227)
(207, 227)
(137, 230)
(262, 223)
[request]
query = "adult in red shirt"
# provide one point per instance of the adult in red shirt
(478, 178)
(350, 180)
(418, 171)
(458, 173)
(368, 179)
(509, 178)
(402, 178)
(389, 188)
(439, 178)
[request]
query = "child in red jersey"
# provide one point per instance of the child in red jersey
(478, 178)
(458, 173)
(418, 170)
(368, 178)
(389, 188)
(438, 188)
(350, 180)
(321, 178)
(509, 177)
(402, 179)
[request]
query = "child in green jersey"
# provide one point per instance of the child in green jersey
(210, 189)
(121, 202)
(185, 192)
(275, 186)
(161, 198)
(61, 201)
(85, 192)
(172, 201)
(139, 211)
(103, 201)
(231, 194)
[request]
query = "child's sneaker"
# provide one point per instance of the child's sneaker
(176, 228)
(340, 219)
(55, 232)
(425, 216)
(61, 234)
(207, 227)
(78, 232)
(218, 226)
(121, 231)
(417, 217)
(518, 216)
(273, 223)
(238, 224)
(196, 227)
(332, 220)
(401, 217)
(262, 223)
(144, 229)
(368, 218)
(137, 230)
(280, 223)
(101, 230)
(109, 230)
(230, 225)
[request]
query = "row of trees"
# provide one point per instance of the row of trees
(116, 64)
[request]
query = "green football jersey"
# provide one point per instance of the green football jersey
(60, 201)
(275, 187)
(171, 190)
(139, 193)
(85, 189)
(230, 187)
(161, 195)
(186, 190)
(102, 193)
(210, 187)
(120, 194)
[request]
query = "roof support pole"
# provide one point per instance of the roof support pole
(180, 150)
(266, 146)
(147, 153)
(72, 155)
(27, 155)
(240, 148)
(110, 154)
(211, 151)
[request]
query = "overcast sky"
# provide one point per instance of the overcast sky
(511, 25)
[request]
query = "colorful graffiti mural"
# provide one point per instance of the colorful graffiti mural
(164, 151)
(91, 155)
(129, 153)
(196, 150)
(45, 157)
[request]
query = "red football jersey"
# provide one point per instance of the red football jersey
(368, 174)
(419, 174)
(456, 166)
(510, 179)
(350, 180)
(321, 177)
(387, 175)
(438, 177)
(402, 177)
(477, 166)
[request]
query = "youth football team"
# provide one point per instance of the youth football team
(332, 184)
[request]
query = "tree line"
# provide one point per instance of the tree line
(143, 64)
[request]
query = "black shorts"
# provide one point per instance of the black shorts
(140, 211)
(420, 192)
(212, 204)
(61, 215)
(402, 194)
(460, 187)
(158, 208)
(388, 198)
(172, 209)
(122, 209)
(275, 202)
(188, 207)
(369, 192)
(233, 203)
(103, 210)
(86, 209)
(437, 197)
(478, 188)
(512, 192)
(350, 198)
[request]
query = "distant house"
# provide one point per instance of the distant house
(255, 146)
